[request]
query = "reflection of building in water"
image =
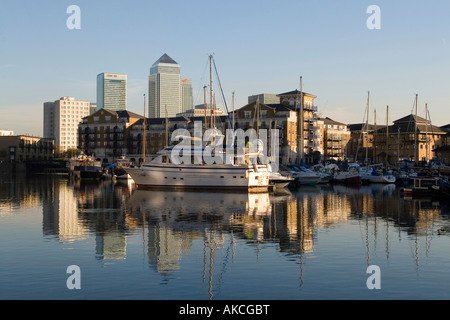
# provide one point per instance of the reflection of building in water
(20, 194)
(295, 218)
(426, 213)
(60, 214)
(166, 247)
(252, 222)
(176, 218)
(111, 245)
(334, 209)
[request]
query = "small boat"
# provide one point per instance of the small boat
(119, 168)
(84, 167)
(443, 188)
(302, 175)
(279, 181)
(422, 186)
(325, 175)
(372, 175)
(350, 176)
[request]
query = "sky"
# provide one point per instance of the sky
(262, 46)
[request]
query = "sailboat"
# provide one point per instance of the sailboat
(241, 172)
(370, 174)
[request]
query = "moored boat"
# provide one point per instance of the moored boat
(279, 181)
(167, 171)
(84, 167)
(421, 186)
(373, 175)
(349, 176)
(119, 166)
(301, 175)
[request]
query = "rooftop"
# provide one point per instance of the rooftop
(165, 59)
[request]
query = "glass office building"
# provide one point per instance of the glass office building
(168, 92)
(112, 91)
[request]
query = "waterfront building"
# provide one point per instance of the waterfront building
(6, 133)
(200, 111)
(308, 136)
(23, 148)
(265, 98)
(335, 137)
(104, 133)
(112, 91)
(61, 119)
(168, 92)
(158, 132)
(411, 137)
(360, 144)
(272, 116)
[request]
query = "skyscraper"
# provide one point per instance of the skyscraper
(112, 91)
(187, 97)
(166, 88)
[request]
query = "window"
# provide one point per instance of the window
(247, 114)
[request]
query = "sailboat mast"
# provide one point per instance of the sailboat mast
(416, 149)
(374, 148)
(167, 128)
(426, 131)
(387, 135)
(233, 110)
(211, 89)
(143, 139)
(300, 125)
(205, 105)
(367, 128)
(257, 117)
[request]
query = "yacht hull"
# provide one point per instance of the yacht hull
(199, 177)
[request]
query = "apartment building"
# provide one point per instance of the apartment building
(410, 137)
(335, 136)
(104, 133)
(61, 119)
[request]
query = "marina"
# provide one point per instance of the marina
(309, 242)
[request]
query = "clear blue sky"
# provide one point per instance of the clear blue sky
(259, 46)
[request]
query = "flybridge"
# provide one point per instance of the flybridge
(216, 148)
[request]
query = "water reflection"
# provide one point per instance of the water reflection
(172, 222)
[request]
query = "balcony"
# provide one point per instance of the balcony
(311, 108)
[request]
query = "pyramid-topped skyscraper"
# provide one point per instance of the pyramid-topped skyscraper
(165, 89)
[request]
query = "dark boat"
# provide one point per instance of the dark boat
(84, 167)
(422, 186)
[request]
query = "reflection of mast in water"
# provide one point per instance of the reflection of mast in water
(209, 241)
(300, 240)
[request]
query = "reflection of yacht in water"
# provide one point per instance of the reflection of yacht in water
(193, 206)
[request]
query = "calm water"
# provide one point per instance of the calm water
(311, 243)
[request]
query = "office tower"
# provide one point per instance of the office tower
(187, 102)
(61, 119)
(112, 91)
(167, 90)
